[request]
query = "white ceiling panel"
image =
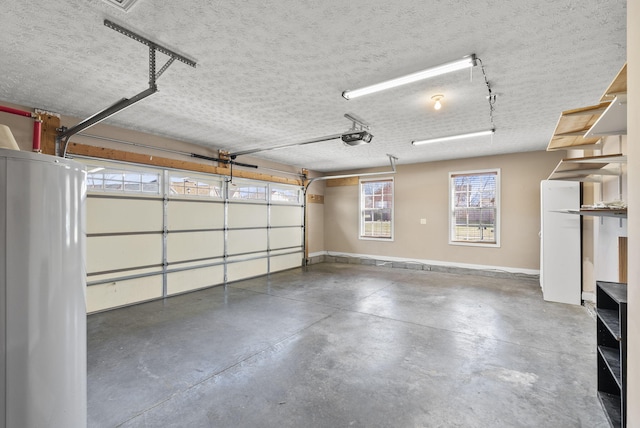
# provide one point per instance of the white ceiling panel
(272, 72)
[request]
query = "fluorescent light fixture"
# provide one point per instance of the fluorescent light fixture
(466, 62)
(453, 137)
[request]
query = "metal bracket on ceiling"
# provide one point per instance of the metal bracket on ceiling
(66, 133)
(153, 47)
(357, 123)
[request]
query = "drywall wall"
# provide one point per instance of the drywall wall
(633, 164)
(421, 192)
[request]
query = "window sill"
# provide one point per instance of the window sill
(475, 244)
(373, 238)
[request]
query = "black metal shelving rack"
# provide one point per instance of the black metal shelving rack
(611, 305)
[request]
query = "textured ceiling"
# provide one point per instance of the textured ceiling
(271, 72)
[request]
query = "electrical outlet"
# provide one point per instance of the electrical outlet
(423, 221)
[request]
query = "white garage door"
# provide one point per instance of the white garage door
(153, 233)
(124, 236)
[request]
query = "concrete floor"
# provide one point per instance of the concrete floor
(339, 345)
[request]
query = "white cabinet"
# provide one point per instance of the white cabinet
(560, 268)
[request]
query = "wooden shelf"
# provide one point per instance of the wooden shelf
(573, 125)
(618, 86)
(581, 169)
(615, 158)
(613, 120)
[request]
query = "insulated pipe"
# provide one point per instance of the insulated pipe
(37, 135)
(16, 111)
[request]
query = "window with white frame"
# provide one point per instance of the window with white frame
(376, 209)
(282, 193)
(111, 180)
(248, 191)
(474, 211)
(194, 186)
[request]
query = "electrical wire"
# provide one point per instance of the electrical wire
(491, 97)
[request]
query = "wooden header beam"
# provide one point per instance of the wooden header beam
(123, 156)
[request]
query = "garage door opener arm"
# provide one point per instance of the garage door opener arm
(62, 140)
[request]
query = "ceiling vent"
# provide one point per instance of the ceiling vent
(123, 5)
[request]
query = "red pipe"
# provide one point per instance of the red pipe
(37, 125)
(37, 133)
(16, 111)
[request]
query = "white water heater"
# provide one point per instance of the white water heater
(43, 336)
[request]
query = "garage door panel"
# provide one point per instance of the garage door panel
(106, 253)
(121, 293)
(182, 215)
(194, 245)
(193, 279)
(247, 269)
(123, 215)
(283, 215)
(284, 262)
(247, 241)
(286, 237)
(247, 215)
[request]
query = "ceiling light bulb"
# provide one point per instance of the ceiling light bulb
(437, 104)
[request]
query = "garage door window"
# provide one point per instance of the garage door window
(110, 180)
(284, 194)
(192, 186)
(247, 191)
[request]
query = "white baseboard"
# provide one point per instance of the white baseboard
(430, 262)
(589, 297)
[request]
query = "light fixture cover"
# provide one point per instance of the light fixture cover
(466, 62)
(453, 137)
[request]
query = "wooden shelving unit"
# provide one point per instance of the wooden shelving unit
(573, 125)
(581, 169)
(618, 86)
(584, 129)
